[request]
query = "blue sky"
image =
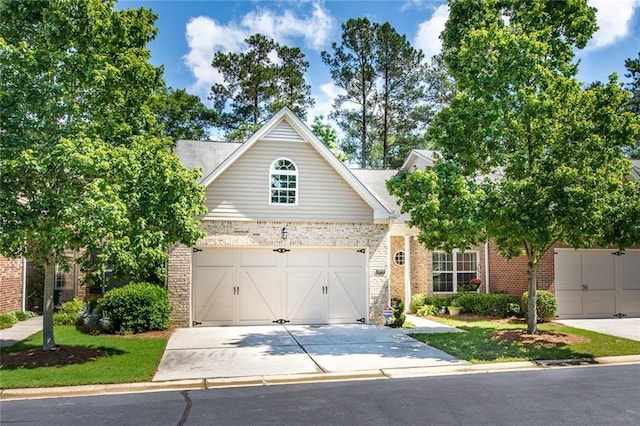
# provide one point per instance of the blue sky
(191, 31)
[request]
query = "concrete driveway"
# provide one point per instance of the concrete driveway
(222, 352)
(629, 328)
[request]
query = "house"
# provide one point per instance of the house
(294, 236)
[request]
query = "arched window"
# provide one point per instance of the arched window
(283, 182)
(398, 258)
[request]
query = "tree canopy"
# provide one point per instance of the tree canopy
(633, 68)
(84, 163)
(182, 115)
(528, 157)
(384, 106)
(257, 83)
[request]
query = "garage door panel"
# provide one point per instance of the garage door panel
(305, 296)
(630, 270)
(213, 289)
(599, 303)
(305, 258)
(568, 271)
(346, 258)
(598, 271)
(346, 299)
(260, 295)
(259, 258)
(214, 257)
(569, 303)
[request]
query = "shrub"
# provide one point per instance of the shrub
(7, 320)
(417, 302)
(546, 305)
(427, 310)
(399, 315)
(136, 308)
(68, 312)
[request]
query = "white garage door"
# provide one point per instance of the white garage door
(246, 286)
(597, 283)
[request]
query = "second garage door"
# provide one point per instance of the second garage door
(255, 286)
(597, 283)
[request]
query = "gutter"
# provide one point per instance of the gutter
(486, 265)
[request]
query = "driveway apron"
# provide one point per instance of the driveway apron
(220, 352)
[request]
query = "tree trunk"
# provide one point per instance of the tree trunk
(48, 342)
(532, 309)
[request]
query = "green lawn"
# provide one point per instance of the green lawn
(128, 360)
(475, 346)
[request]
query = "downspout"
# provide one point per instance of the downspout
(486, 265)
(24, 284)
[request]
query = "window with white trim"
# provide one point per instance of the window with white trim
(452, 269)
(283, 182)
(398, 258)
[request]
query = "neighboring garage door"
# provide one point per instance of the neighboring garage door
(254, 286)
(597, 283)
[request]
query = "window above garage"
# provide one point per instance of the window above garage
(283, 182)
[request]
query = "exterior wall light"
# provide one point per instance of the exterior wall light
(285, 233)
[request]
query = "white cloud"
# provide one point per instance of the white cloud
(614, 19)
(428, 36)
(205, 36)
(324, 101)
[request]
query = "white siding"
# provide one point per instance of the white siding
(242, 191)
(283, 132)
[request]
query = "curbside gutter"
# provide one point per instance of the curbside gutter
(391, 373)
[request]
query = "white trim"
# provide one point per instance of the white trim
(24, 284)
(395, 261)
(380, 213)
(295, 173)
(407, 273)
(486, 266)
(454, 272)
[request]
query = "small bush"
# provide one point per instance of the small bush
(137, 308)
(7, 320)
(427, 310)
(68, 312)
(418, 301)
(546, 305)
(399, 315)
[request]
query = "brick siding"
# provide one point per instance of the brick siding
(11, 284)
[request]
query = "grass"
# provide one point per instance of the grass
(129, 359)
(475, 346)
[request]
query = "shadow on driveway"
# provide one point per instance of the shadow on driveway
(219, 352)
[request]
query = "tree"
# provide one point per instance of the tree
(633, 68)
(258, 83)
(328, 136)
(183, 116)
(352, 67)
(84, 164)
(388, 91)
(528, 157)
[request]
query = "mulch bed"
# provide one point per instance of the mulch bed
(545, 338)
(61, 356)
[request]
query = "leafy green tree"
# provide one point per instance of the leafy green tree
(328, 136)
(352, 67)
(529, 157)
(84, 163)
(258, 83)
(183, 116)
(633, 68)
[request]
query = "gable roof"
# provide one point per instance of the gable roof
(418, 159)
(206, 155)
(273, 130)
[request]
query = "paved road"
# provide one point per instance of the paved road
(558, 396)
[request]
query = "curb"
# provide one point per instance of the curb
(391, 373)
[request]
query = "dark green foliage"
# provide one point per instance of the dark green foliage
(399, 315)
(137, 308)
(68, 313)
(492, 304)
(545, 302)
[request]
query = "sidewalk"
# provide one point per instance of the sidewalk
(20, 331)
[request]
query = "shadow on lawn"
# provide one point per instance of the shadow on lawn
(484, 344)
(34, 357)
